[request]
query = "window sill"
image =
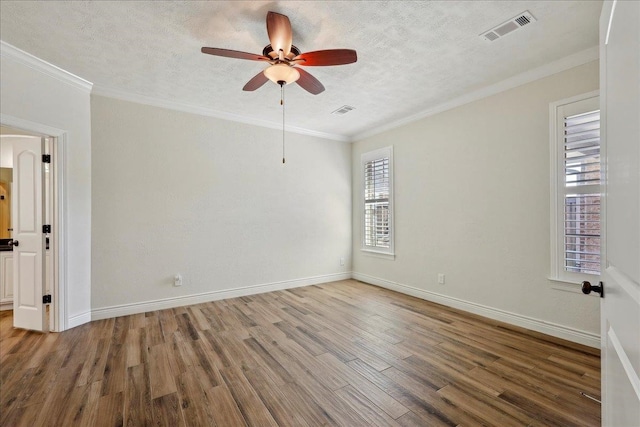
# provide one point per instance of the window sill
(568, 286)
(377, 254)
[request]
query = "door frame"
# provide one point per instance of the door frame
(58, 318)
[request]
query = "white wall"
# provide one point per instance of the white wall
(176, 192)
(30, 95)
(181, 193)
(472, 202)
(6, 152)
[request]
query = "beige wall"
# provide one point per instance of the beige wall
(42, 102)
(472, 201)
(180, 193)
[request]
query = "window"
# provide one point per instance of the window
(377, 219)
(576, 189)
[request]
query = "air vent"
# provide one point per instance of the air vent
(509, 26)
(343, 110)
(491, 36)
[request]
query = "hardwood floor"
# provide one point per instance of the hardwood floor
(342, 353)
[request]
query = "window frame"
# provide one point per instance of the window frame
(558, 191)
(385, 152)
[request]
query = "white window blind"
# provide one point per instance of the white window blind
(377, 220)
(581, 222)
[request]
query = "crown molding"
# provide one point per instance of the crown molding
(209, 112)
(555, 67)
(35, 63)
(9, 51)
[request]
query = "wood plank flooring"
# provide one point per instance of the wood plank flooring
(342, 353)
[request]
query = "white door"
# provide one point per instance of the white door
(620, 117)
(28, 239)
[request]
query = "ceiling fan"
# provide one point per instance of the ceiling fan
(285, 58)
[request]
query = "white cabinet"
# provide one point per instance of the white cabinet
(6, 277)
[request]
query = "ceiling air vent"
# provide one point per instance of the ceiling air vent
(343, 110)
(491, 36)
(522, 20)
(509, 26)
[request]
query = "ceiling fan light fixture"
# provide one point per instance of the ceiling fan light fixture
(282, 73)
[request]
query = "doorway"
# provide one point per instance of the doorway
(29, 228)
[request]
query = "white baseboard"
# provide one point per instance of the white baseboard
(79, 319)
(549, 328)
(161, 304)
(72, 322)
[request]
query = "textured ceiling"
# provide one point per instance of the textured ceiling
(412, 56)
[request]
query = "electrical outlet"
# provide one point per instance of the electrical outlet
(342, 261)
(177, 280)
(441, 278)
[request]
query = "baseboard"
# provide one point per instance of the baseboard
(161, 304)
(553, 329)
(79, 319)
(72, 322)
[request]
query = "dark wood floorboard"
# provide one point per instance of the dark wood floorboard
(337, 354)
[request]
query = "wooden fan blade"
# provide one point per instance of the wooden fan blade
(327, 57)
(228, 53)
(309, 83)
(257, 81)
(280, 34)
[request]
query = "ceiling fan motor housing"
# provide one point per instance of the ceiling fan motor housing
(270, 53)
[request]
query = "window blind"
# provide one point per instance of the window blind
(582, 193)
(376, 203)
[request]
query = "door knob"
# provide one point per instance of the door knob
(14, 243)
(587, 288)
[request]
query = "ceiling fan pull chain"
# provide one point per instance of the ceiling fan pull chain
(282, 103)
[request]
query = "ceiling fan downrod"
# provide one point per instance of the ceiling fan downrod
(282, 83)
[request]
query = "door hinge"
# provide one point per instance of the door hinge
(46, 158)
(46, 228)
(46, 299)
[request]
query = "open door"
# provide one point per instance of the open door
(620, 119)
(28, 238)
